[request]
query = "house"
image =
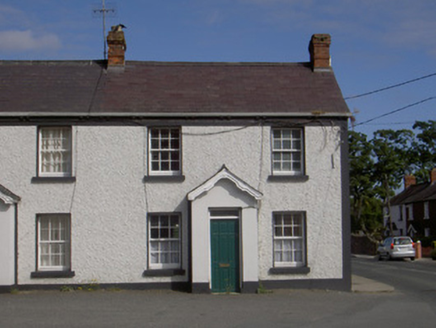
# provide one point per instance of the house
(210, 177)
(414, 209)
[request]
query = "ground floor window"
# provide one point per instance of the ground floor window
(54, 242)
(289, 239)
(164, 241)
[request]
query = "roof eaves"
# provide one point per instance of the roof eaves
(173, 114)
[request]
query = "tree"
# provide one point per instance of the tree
(362, 194)
(424, 149)
(378, 166)
(391, 150)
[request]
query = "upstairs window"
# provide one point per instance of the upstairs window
(287, 151)
(426, 211)
(165, 151)
(409, 212)
(54, 153)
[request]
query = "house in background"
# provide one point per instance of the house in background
(414, 209)
(210, 177)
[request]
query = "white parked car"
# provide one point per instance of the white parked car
(396, 247)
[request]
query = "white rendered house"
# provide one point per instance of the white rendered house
(211, 177)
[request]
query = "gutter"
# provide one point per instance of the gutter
(173, 115)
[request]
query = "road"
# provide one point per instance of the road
(412, 304)
(415, 279)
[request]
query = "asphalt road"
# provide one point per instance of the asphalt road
(416, 279)
(409, 306)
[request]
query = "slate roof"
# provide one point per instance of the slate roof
(416, 193)
(87, 87)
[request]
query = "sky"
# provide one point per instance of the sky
(375, 43)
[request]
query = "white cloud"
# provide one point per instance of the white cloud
(18, 41)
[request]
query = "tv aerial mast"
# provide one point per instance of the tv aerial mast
(103, 12)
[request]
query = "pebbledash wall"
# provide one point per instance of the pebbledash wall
(110, 198)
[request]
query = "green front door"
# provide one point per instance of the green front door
(224, 236)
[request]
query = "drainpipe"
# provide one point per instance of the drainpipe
(16, 246)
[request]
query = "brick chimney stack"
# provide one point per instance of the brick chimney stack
(116, 47)
(319, 49)
(433, 175)
(409, 180)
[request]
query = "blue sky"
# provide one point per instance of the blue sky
(375, 43)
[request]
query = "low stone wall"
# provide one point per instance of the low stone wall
(426, 251)
(362, 245)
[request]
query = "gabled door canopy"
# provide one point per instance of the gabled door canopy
(224, 173)
(7, 196)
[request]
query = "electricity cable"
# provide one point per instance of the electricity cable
(395, 111)
(390, 87)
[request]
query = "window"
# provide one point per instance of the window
(287, 151)
(289, 239)
(55, 144)
(164, 241)
(426, 211)
(165, 151)
(427, 232)
(409, 212)
(53, 242)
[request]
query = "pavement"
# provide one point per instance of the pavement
(364, 285)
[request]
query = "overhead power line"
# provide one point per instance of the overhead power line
(390, 87)
(396, 111)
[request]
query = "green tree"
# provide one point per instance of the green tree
(378, 166)
(424, 149)
(364, 215)
(391, 151)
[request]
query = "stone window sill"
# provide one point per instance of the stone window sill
(164, 178)
(286, 178)
(52, 274)
(163, 273)
(289, 270)
(53, 180)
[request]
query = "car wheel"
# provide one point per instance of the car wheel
(388, 257)
(378, 257)
(412, 259)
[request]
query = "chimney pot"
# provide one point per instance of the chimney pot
(116, 47)
(409, 180)
(319, 49)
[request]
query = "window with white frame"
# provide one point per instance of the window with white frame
(164, 241)
(409, 212)
(54, 153)
(289, 239)
(287, 151)
(426, 211)
(165, 151)
(427, 232)
(53, 242)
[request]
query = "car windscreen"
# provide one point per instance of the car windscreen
(402, 241)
